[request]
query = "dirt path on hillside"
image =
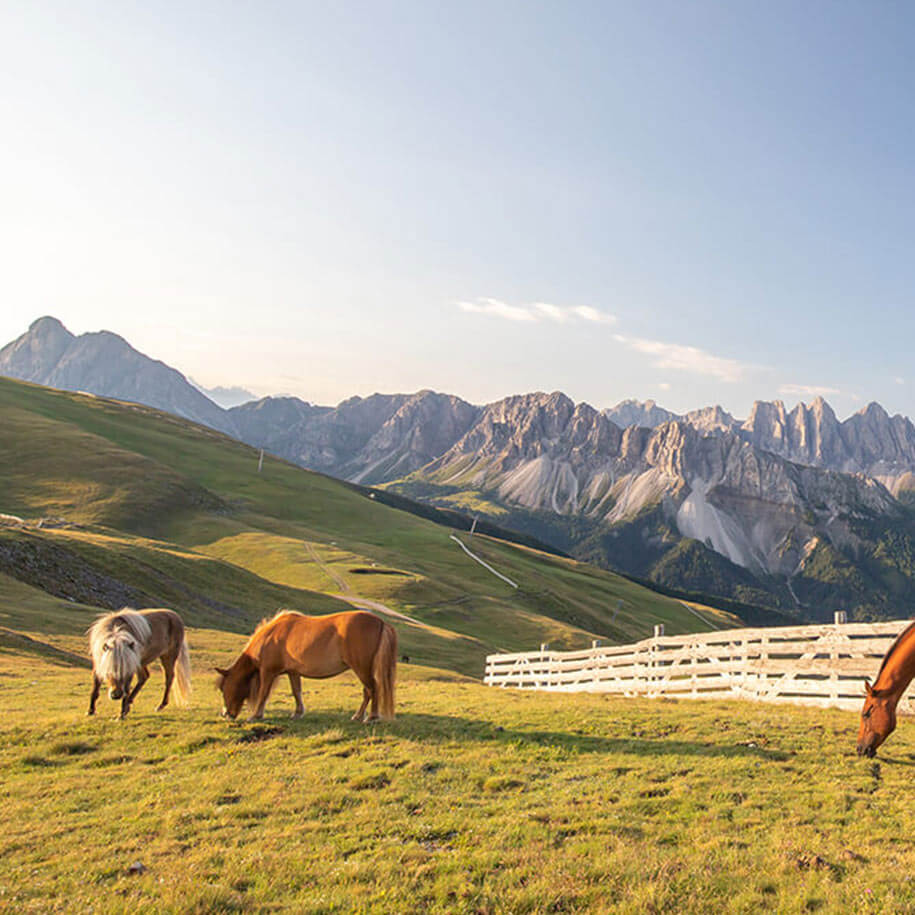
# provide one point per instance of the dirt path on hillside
(364, 603)
(698, 615)
(354, 600)
(333, 576)
(483, 563)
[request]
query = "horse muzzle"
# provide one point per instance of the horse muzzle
(115, 692)
(867, 749)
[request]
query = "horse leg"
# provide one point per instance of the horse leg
(295, 681)
(142, 677)
(168, 665)
(369, 694)
(93, 698)
(263, 691)
(373, 714)
(125, 699)
(366, 695)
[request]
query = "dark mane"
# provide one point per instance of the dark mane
(893, 648)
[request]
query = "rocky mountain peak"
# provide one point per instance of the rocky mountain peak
(873, 412)
(106, 364)
(48, 325)
(645, 413)
(711, 419)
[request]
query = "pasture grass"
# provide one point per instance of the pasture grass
(473, 800)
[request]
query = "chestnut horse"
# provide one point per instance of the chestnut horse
(878, 717)
(123, 643)
(314, 646)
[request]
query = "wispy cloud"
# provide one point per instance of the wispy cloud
(587, 313)
(666, 355)
(536, 312)
(807, 390)
(686, 358)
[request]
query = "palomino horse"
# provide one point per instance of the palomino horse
(123, 643)
(318, 647)
(878, 717)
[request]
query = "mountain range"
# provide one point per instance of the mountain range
(789, 509)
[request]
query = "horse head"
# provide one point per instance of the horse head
(238, 684)
(878, 719)
(119, 661)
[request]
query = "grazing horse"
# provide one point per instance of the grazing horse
(878, 717)
(123, 643)
(318, 647)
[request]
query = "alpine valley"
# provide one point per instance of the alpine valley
(790, 510)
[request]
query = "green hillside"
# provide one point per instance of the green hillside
(107, 503)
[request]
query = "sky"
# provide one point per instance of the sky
(692, 202)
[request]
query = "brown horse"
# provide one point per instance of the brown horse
(123, 643)
(314, 646)
(878, 717)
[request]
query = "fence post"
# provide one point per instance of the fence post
(744, 666)
(544, 672)
(595, 644)
(840, 618)
(652, 659)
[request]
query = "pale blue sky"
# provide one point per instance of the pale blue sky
(334, 199)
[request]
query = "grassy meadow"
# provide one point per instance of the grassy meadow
(473, 800)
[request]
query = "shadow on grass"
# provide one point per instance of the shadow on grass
(428, 728)
(896, 761)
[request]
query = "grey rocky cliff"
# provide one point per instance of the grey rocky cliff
(363, 439)
(639, 413)
(544, 453)
(105, 364)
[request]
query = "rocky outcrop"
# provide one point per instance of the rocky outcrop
(869, 442)
(639, 413)
(105, 364)
(710, 420)
(365, 439)
(423, 427)
(546, 454)
(271, 422)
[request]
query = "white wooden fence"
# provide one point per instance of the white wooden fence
(822, 665)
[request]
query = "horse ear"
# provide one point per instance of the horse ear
(221, 672)
(868, 689)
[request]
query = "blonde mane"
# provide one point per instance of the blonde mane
(265, 623)
(116, 642)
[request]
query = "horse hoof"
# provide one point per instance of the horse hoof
(255, 718)
(160, 707)
(357, 717)
(298, 714)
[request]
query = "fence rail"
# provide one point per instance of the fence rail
(821, 665)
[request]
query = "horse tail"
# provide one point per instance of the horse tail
(384, 670)
(183, 674)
